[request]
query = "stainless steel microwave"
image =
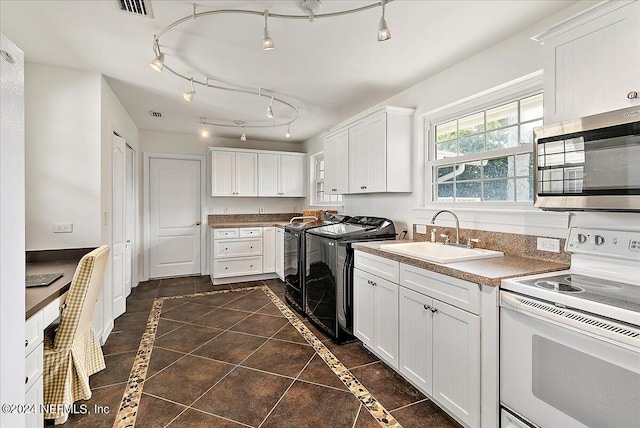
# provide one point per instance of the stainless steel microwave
(589, 164)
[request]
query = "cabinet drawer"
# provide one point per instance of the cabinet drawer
(51, 312)
(33, 365)
(237, 248)
(223, 268)
(382, 267)
(33, 331)
(249, 232)
(225, 233)
(462, 294)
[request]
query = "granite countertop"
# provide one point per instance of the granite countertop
(485, 271)
(250, 224)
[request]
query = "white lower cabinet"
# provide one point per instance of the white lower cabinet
(433, 344)
(376, 315)
(268, 249)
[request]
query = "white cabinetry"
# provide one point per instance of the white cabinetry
(281, 175)
(426, 326)
(592, 62)
(268, 249)
(236, 252)
(34, 361)
(279, 256)
(234, 173)
(336, 163)
(376, 315)
(379, 153)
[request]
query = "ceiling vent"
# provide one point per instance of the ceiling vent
(155, 113)
(136, 7)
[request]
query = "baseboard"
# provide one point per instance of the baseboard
(246, 278)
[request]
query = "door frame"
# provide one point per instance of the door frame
(146, 167)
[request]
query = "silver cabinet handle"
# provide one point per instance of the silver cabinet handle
(632, 95)
(26, 343)
(434, 310)
(427, 307)
(26, 380)
(197, 223)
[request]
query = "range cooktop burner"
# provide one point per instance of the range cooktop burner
(589, 288)
(558, 286)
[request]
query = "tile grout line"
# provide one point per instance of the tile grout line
(410, 404)
(128, 408)
(375, 408)
(286, 390)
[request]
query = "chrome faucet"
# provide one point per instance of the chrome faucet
(457, 225)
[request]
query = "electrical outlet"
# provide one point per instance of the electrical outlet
(421, 228)
(261, 210)
(62, 227)
(551, 245)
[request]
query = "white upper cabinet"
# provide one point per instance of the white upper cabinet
(281, 175)
(371, 154)
(336, 163)
(592, 62)
(243, 172)
(234, 173)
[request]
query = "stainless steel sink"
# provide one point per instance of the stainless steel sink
(439, 253)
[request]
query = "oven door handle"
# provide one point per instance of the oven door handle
(511, 301)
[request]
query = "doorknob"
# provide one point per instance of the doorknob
(197, 223)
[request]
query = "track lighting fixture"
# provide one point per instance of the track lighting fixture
(383, 29)
(267, 41)
(311, 9)
(188, 96)
(157, 63)
(270, 110)
(205, 131)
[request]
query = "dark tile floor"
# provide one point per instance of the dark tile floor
(233, 360)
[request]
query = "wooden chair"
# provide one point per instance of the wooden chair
(73, 353)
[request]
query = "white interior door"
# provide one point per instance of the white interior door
(130, 220)
(118, 232)
(174, 217)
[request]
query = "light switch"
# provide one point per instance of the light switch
(62, 227)
(421, 228)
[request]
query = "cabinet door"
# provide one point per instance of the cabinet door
(358, 159)
(376, 145)
(593, 66)
(363, 307)
(456, 361)
(268, 249)
(34, 400)
(336, 164)
(416, 338)
(292, 175)
(279, 258)
(223, 173)
(268, 174)
(246, 174)
(385, 322)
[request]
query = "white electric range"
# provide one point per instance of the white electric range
(570, 340)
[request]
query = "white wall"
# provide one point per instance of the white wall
(508, 60)
(12, 257)
(62, 141)
(193, 144)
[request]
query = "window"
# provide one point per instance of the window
(317, 182)
(486, 156)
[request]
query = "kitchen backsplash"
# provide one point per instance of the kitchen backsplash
(249, 218)
(508, 243)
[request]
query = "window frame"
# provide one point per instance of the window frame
(524, 87)
(313, 185)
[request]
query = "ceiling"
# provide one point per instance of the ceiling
(331, 68)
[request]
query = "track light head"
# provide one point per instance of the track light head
(270, 109)
(188, 96)
(158, 63)
(383, 28)
(288, 134)
(267, 41)
(243, 137)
